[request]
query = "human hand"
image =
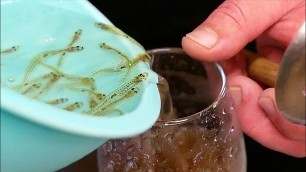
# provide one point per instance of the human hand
(227, 31)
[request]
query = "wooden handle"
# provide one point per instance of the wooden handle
(261, 69)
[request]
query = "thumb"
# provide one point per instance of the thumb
(232, 25)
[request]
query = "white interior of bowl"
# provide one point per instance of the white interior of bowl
(24, 24)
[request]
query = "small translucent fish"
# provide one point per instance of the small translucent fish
(110, 110)
(143, 57)
(107, 106)
(81, 81)
(118, 67)
(85, 81)
(47, 76)
(128, 65)
(94, 96)
(97, 94)
(38, 58)
(32, 88)
(10, 50)
(118, 32)
(73, 106)
(74, 39)
(140, 57)
(103, 70)
(133, 82)
(57, 101)
(127, 61)
(51, 81)
(119, 93)
(108, 47)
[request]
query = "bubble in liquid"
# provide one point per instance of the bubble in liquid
(124, 143)
(108, 146)
(131, 165)
(207, 120)
(11, 79)
(222, 122)
(232, 129)
(219, 169)
(117, 157)
(224, 111)
(110, 165)
(146, 156)
(216, 161)
(169, 137)
(216, 139)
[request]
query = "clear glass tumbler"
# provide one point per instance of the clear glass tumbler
(197, 129)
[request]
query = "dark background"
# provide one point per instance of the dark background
(162, 23)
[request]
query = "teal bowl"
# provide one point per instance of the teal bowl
(36, 136)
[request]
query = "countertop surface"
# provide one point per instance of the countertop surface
(160, 23)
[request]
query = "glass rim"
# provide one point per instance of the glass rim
(196, 115)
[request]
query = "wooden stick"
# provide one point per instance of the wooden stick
(261, 69)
